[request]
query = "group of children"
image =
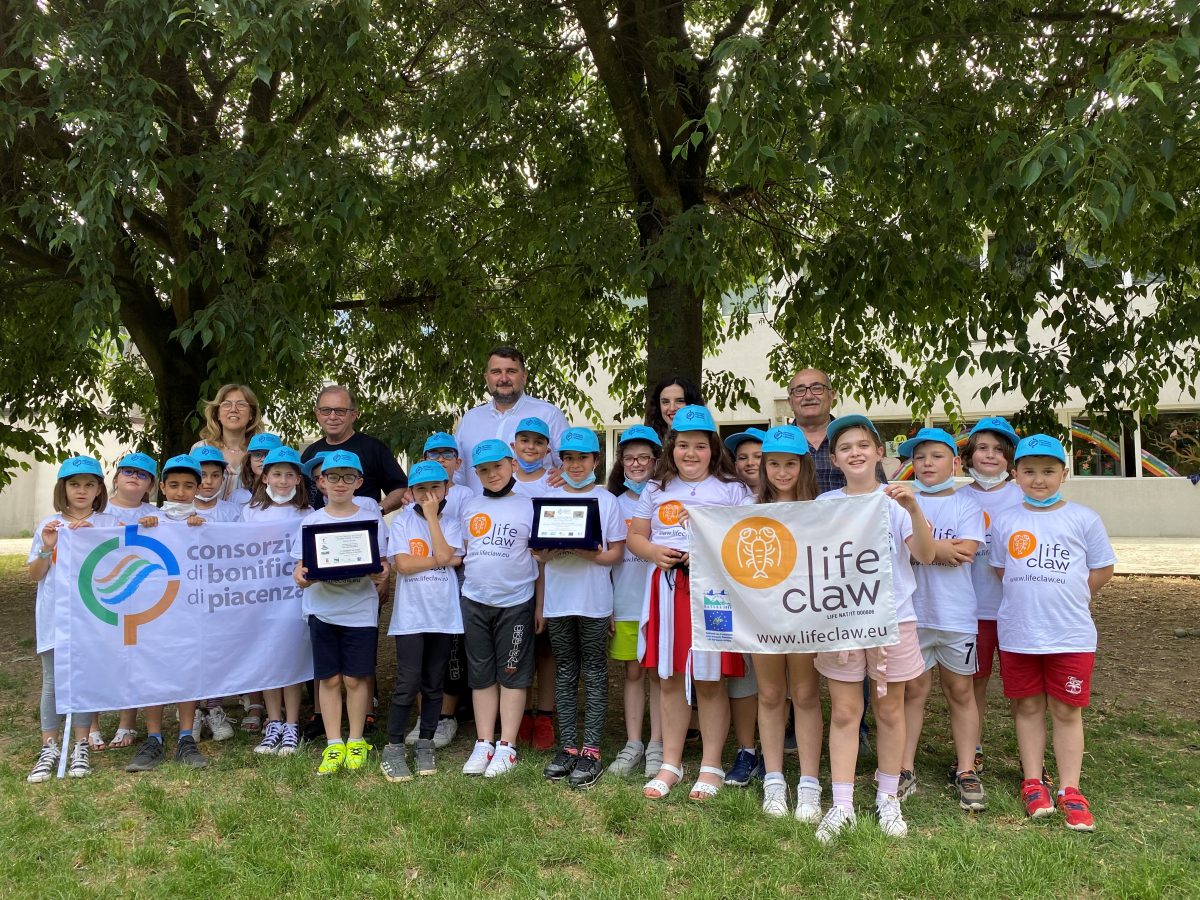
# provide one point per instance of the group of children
(1003, 565)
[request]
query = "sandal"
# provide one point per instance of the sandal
(252, 721)
(124, 737)
(659, 786)
(702, 790)
(96, 742)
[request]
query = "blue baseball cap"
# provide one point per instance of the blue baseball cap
(264, 441)
(80, 465)
(317, 461)
(185, 462)
(750, 434)
(841, 423)
(693, 418)
(937, 435)
(440, 440)
(342, 459)
(640, 433)
(426, 472)
(579, 440)
(206, 454)
(282, 455)
(785, 439)
(492, 450)
(534, 425)
(1041, 445)
(139, 461)
(999, 425)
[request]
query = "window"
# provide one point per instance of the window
(1096, 453)
(1171, 444)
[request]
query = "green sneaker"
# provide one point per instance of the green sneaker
(332, 758)
(356, 754)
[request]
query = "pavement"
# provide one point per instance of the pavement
(1135, 555)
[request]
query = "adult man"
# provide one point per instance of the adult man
(506, 377)
(811, 397)
(336, 413)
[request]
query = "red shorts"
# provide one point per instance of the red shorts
(986, 645)
(731, 664)
(1066, 677)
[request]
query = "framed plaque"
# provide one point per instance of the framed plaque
(340, 550)
(565, 523)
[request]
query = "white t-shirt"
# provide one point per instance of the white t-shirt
(630, 575)
(531, 489)
(224, 511)
(130, 516)
(662, 507)
(1047, 555)
(352, 602)
(428, 601)
(500, 570)
(900, 529)
(43, 617)
(579, 587)
(485, 422)
(983, 576)
(240, 496)
(276, 512)
(456, 496)
(945, 595)
(370, 504)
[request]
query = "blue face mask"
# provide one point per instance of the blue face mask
(934, 488)
(530, 468)
(636, 486)
(591, 479)
(1049, 501)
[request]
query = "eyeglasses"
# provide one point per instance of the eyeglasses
(135, 473)
(637, 460)
(334, 410)
(441, 454)
(231, 405)
(348, 478)
(260, 455)
(817, 389)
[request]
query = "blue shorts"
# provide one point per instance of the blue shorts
(342, 649)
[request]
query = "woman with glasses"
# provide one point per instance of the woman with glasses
(231, 419)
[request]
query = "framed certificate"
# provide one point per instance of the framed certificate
(340, 550)
(565, 523)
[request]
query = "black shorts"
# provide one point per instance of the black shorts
(499, 644)
(342, 649)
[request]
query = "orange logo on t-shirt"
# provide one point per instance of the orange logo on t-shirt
(1021, 544)
(481, 524)
(758, 552)
(987, 520)
(669, 512)
(417, 547)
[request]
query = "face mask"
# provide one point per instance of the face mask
(420, 510)
(591, 479)
(934, 488)
(1049, 501)
(504, 491)
(530, 468)
(637, 486)
(281, 498)
(987, 482)
(176, 511)
(209, 499)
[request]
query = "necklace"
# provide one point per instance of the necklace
(88, 515)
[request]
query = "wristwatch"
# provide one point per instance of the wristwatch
(45, 554)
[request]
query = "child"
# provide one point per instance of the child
(787, 475)
(988, 459)
(856, 450)
(180, 482)
(343, 618)
(441, 448)
(577, 607)
(694, 471)
(79, 497)
(426, 547)
(256, 453)
(497, 607)
(1054, 557)
(281, 495)
(746, 449)
(639, 447)
(312, 473)
(944, 602)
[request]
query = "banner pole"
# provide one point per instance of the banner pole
(62, 759)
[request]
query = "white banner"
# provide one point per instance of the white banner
(145, 616)
(792, 577)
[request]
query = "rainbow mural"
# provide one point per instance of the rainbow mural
(1152, 465)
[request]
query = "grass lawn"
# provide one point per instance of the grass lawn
(259, 827)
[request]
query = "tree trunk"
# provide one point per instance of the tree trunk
(675, 344)
(178, 388)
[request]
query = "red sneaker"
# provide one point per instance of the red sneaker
(525, 732)
(543, 733)
(1036, 797)
(1075, 807)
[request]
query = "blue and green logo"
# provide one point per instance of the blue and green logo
(113, 577)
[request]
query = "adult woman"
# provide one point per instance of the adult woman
(666, 398)
(231, 418)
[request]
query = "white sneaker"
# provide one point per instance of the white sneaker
(627, 761)
(446, 730)
(891, 820)
(837, 820)
(197, 724)
(80, 765)
(219, 724)
(477, 763)
(414, 734)
(775, 799)
(47, 762)
(808, 804)
(503, 761)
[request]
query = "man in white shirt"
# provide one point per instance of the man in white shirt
(506, 377)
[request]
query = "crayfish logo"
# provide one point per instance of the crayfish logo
(112, 582)
(759, 552)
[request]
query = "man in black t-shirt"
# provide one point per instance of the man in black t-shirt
(382, 476)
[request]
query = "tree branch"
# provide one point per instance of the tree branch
(740, 17)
